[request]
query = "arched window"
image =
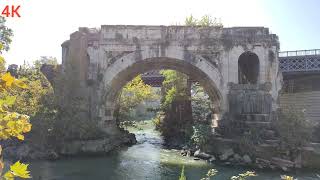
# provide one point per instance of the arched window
(248, 68)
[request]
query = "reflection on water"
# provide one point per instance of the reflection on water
(145, 160)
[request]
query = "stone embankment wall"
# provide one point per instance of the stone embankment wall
(302, 93)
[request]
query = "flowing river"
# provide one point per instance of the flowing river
(148, 159)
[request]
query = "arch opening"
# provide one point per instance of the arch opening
(160, 63)
(248, 68)
(143, 66)
(172, 115)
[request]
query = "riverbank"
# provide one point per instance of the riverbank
(77, 148)
(147, 159)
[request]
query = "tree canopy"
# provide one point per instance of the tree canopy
(5, 35)
(12, 124)
(132, 94)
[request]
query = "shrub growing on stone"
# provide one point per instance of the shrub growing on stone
(293, 129)
(201, 133)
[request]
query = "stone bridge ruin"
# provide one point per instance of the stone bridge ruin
(238, 66)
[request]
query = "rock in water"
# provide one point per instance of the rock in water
(282, 163)
(201, 155)
(237, 157)
(196, 153)
(226, 154)
(52, 155)
(212, 159)
(189, 153)
(247, 159)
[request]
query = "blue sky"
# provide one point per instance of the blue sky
(45, 24)
(296, 22)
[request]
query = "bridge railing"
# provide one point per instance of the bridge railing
(300, 53)
(299, 61)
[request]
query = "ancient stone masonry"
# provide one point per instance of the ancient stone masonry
(249, 108)
(112, 55)
(249, 99)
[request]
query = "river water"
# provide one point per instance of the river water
(148, 159)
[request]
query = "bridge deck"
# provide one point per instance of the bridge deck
(299, 61)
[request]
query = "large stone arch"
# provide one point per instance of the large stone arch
(109, 57)
(126, 68)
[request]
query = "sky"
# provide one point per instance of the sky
(45, 24)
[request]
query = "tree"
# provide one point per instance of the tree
(5, 40)
(202, 115)
(5, 34)
(176, 124)
(293, 129)
(133, 93)
(201, 104)
(37, 101)
(48, 60)
(12, 124)
(174, 87)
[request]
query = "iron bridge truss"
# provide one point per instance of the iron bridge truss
(299, 61)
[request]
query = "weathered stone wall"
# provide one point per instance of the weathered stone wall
(302, 92)
(111, 56)
(250, 99)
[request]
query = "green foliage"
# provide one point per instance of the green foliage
(201, 113)
(170, 97)
(126, 124)
(293, 129)
(250, 140)
(241, 176)
(191, 21)
(5, 35)
(201, 134)
(29, 101)
(205, 21)
(210, 173)
(244, 176)
(134, 93)
(45, 60)
(158, 120)
(17, 170)
(176, 123)
(285, 177)
(37, 101)
(201, 104)
(12, 124)
(182, 176)
(174, 87)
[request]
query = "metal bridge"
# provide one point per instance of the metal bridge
(301, 61)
